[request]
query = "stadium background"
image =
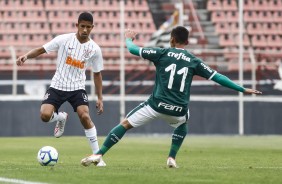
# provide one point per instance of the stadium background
(25, 24)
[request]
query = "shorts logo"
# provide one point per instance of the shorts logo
(85, 98)
(46, 96)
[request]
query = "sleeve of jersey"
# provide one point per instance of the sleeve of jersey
(98, 64)
(225, 81)
(132, 48)
(204, 70)
(151, 54)
(53, 45)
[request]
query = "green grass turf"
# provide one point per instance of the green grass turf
(134, 160)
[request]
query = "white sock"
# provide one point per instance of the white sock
(91, 135)
(55, 117)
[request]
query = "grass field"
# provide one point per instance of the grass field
(202, 159)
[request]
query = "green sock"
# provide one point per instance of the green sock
(113, 137)
(177, 139)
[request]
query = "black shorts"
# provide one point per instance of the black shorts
(58, 97)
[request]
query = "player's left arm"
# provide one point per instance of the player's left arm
(132, 48)
(225, 81)
(99, 93)
(97, 67)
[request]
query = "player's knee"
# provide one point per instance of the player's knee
(84, 117)
(183, 128)
(126, 124)
(45, 117)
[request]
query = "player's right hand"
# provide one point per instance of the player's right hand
(252, 91)
(21, 60)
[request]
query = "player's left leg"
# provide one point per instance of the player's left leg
(112, 138)
(178, 136)
(177, 139)
(89, 128)
(140, 115)
(79, 101)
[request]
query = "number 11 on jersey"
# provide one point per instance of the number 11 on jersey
(183, 71)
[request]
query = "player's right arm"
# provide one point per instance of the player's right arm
(30, 54)
(129, 37)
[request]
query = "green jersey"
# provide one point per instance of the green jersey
(175, 69)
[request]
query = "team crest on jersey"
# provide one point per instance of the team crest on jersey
(46, 96)
(87, 53)
(85, 98)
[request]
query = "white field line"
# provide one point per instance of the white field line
(16, 181)
(228, 167)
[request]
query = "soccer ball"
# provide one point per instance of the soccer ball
(47, 156)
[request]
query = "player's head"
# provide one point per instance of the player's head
(84, 25)
(179, 36)
(85, 16)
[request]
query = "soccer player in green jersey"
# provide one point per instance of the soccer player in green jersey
(175, 68)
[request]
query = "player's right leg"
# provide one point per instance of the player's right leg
(178, 136)
(171, 163)
(48, 111)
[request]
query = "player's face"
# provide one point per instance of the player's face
(83, 29)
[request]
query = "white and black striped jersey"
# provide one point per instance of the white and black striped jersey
(72, 61)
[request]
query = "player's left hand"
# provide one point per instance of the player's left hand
(99, 106)
(252, 91)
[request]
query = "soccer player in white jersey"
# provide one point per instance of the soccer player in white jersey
(76, 52)
(175, 68)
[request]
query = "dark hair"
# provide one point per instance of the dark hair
(180, 34)
(86, 16)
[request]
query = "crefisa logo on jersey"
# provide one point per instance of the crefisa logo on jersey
(149, 51)
(206, 67)
(178, 56)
